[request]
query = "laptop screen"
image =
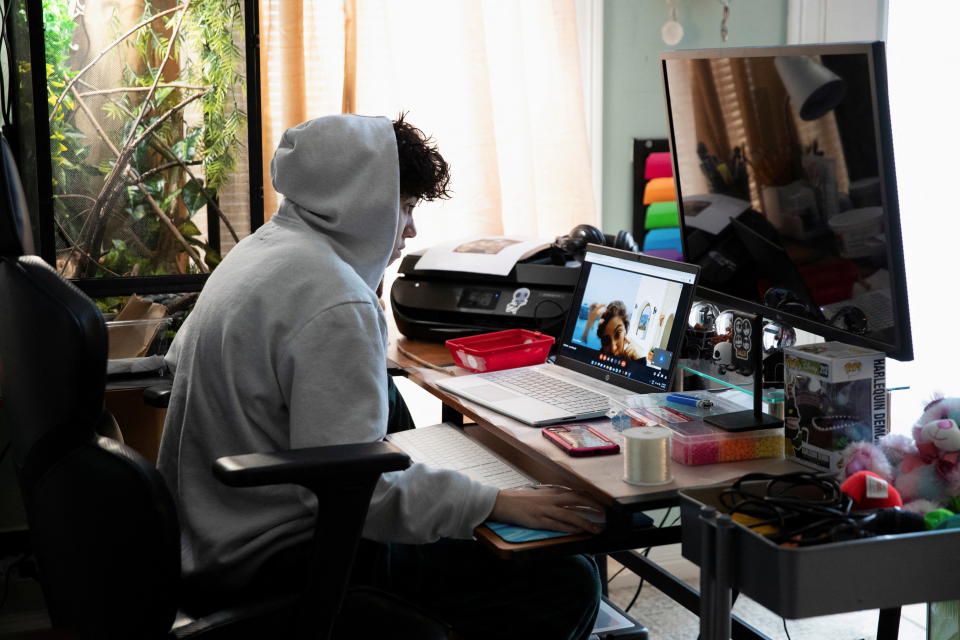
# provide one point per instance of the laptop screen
(627, 318)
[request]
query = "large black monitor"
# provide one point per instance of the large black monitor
(783, 161)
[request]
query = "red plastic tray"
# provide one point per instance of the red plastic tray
(500, 350)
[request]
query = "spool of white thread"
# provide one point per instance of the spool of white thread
(646, 457)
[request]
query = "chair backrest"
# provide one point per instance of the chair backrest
(16, 238)
(103, 526)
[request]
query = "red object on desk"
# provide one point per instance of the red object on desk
(580, 440)
(500, 350)
(870, 491)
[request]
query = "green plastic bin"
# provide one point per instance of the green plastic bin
(661, 215)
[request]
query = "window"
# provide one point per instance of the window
(153, 164)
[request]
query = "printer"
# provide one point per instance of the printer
(438, 305)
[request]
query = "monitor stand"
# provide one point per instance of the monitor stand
(755, 418)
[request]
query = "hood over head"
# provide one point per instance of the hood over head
(340, 175)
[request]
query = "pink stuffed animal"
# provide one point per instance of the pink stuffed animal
(926, 469)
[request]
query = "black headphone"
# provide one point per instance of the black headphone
(575, 242)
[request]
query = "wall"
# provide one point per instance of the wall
(633, 105)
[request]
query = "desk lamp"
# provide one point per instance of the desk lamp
(813, 89)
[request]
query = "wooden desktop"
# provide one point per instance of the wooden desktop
(525, 447)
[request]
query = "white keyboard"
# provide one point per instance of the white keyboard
(444, 446)
(570, 397)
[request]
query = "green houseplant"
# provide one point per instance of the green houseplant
(136, 160)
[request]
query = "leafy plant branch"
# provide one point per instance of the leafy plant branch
(164, 218)
(74, 247)
(107, 50)
(166, 85)
(178, 162)
(131, 142)
(146, 175)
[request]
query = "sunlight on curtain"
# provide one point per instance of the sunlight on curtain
(301, 70)
(920, 45)
(496, 83)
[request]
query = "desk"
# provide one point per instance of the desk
(600, 476)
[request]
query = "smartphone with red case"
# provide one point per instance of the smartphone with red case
(580, 440)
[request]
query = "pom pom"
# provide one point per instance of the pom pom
(939, 409)
(870, 491)
(952, 480)
(863, 456)
(895, 446)
(923, 482)
(923, 507)
(935, 398)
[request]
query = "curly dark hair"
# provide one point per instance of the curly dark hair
(424, 174)
(613, 310)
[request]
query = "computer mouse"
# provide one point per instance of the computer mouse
(596, 517)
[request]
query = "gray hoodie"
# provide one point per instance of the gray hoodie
(286, 349)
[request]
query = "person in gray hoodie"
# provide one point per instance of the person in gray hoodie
(286, 348)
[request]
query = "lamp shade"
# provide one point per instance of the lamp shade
(814, 89)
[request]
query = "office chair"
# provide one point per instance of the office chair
(103, 526)
(15, 235)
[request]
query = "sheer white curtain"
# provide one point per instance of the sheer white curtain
(922, 58)
(496, 82)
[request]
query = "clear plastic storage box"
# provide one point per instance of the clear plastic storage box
(697, 443)
(693, 441)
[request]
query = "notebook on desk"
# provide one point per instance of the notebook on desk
(444, 446)
(624, 329)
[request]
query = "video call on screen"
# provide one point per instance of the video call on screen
(625, 323)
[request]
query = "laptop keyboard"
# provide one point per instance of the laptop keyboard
(533, 384)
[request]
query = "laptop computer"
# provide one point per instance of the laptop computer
(622, 334)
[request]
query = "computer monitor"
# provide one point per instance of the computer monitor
(783, 162)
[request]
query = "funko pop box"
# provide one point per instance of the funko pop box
(834, 394)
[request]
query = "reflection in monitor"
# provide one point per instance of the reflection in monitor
(785, 179)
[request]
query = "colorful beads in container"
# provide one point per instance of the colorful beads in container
(697, 443)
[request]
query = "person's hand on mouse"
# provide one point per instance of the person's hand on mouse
(552, 508)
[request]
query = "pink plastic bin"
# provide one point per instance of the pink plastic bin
(500, 350)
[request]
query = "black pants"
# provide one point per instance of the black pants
(467, 587)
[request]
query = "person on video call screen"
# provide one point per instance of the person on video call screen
(612, 330)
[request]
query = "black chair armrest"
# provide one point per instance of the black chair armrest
(394, 369)
(343, 477)
(312, 466)
(158, 395)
